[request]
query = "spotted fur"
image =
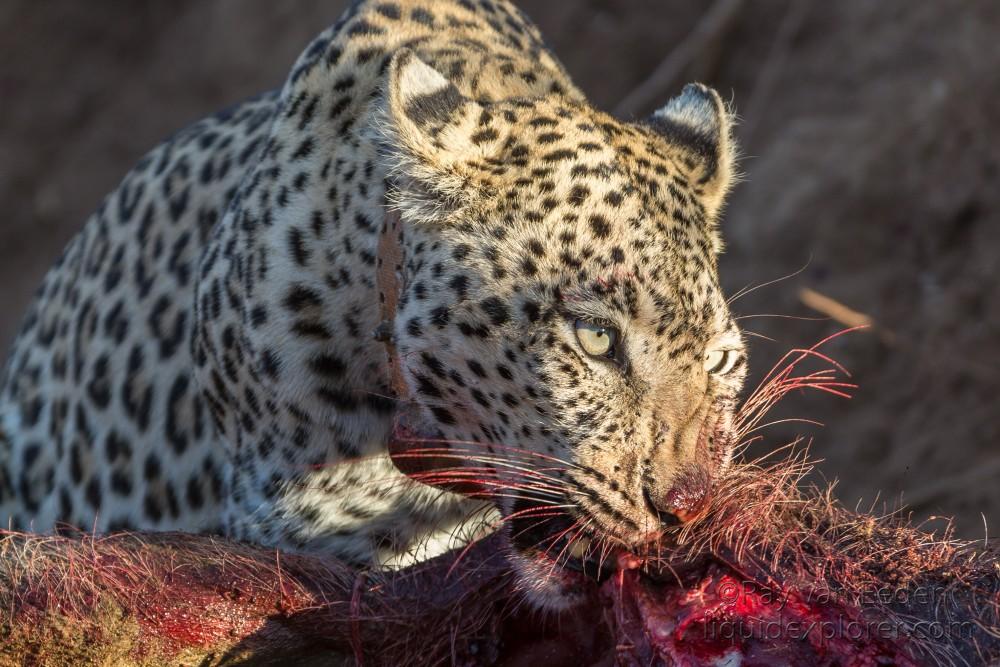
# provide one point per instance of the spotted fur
(201, 357)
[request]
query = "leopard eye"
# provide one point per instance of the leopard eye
(720, 362)
(596, 340)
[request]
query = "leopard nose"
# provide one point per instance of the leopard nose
(683, 499)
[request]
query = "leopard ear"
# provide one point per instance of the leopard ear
(698, 122)
(438, 149)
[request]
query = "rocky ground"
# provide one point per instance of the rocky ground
(871, 160)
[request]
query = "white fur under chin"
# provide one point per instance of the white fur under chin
(544, 587)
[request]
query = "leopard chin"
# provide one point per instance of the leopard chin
(548, 587)
(558, 566)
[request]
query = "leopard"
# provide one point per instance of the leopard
(212, 353)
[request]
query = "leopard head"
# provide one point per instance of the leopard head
(561, 329)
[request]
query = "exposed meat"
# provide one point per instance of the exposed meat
(768, 575)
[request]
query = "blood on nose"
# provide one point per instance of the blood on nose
(684, 499)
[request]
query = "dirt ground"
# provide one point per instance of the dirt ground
(871, 163)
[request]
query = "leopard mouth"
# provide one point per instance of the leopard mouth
(552, 541)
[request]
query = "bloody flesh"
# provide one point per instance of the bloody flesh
(770, 575)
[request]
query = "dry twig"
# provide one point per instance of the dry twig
(712, 28)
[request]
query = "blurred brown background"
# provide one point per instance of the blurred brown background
(872, 155)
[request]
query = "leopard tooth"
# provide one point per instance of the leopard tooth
(580, 548)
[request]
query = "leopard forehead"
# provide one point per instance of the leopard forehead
(549, 194)
(608, 242)
(562, 204)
